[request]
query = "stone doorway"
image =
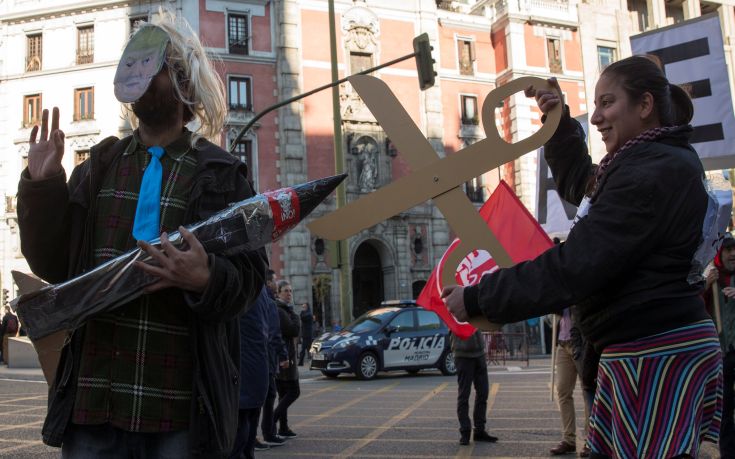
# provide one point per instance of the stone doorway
(367, 280)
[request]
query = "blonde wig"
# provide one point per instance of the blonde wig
(195, 80)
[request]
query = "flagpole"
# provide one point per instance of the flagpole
(716, 302)
(554, 325)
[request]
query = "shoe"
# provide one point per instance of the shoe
(563, 448)
(274, 441)
(287, 433)
(464, 438)
(261, 446)
(585, 451)
(481, 435)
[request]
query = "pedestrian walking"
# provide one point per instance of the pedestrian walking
(569, 352)
(287, 380)
(8, 329)
(254, 374)
(155, 376)
(307, 331)
(631, 265)
(277, 356)
(470, 360)
(722, 277)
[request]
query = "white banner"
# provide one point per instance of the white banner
(693, 56)
(553, 213)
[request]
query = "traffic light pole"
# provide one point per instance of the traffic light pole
(250, 124)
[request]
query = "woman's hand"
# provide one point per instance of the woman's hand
(44, 156)
(453, 296)
(546, 99)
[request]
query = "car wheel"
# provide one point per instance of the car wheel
(367, 366)
(446, 365)
(330, 374)
(412, 372)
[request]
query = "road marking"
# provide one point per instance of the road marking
(23, 444)
(37, 397)
(20, 426)
(317, 392)
(467, 452)
(346, 405)
(23, 380)
(390, 423)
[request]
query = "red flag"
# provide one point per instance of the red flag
(517, 231)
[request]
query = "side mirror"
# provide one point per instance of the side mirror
(390, 329)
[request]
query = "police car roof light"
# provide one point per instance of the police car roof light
(398, 303)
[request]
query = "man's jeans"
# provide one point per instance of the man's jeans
(92, 442)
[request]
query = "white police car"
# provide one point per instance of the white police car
(398, 336)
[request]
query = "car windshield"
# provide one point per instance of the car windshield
(371, 320)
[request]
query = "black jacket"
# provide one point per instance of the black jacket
(56, 224)
(625, 264)
(290, 328)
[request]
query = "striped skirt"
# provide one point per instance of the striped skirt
(659, 396)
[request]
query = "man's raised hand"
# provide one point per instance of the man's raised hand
(44, 155)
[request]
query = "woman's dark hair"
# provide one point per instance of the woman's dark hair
(642, 74)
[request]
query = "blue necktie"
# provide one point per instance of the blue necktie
(148, 213)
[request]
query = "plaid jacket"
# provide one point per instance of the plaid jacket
(56, 221)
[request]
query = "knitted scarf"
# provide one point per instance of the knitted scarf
(649, 135)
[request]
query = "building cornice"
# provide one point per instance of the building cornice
(62, 10)
(56, 71)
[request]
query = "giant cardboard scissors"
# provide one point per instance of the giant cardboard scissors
(436, 178)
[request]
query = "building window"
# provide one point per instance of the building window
(31, 110)
(83, 104)
(553, 50)
(136, 22)
(80, 156)
(85, 45)
(605, 56)
(237, 33)
(360, 62)
(466, 53)
(244, 152)
(240, 91)
(34, 50)
(469, 110)
(473, 188)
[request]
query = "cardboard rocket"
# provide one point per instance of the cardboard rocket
(50, 312)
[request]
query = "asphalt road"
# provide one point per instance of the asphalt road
(393, 416)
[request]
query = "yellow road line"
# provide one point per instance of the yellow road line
(390, 423)
(346, 405)
(20, 426)
(23, 445)
(467, 452)
(317, 392)
(37, 397)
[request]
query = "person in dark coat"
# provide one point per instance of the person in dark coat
(287, 381)
(253, 373)
(469, 357)
(277, 354)
(307, 331)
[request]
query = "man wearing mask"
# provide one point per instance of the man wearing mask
(158, 375)
(723, 274)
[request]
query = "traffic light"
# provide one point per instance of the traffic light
(424, 62)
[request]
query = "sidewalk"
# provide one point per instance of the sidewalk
(21, 374)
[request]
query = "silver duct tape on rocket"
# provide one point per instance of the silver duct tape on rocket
(244, 226)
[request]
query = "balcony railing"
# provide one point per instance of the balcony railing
(33, 63)
(85, 56)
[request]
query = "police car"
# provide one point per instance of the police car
(397, 336)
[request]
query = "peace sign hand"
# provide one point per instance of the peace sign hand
(44, 156)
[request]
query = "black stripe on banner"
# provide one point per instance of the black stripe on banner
(707, 133)
(682, 51)
(699, 88)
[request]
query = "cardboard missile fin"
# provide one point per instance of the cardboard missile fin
(49, 347)
(439, 179)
